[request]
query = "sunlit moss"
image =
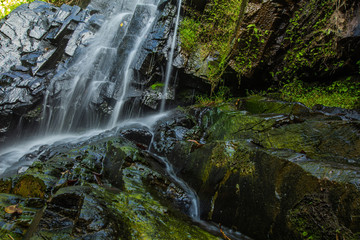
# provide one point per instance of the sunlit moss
(6, 6)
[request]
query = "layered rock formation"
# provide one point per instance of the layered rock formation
(268, 169)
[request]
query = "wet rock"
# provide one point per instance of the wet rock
(17, 224)
(171, 130)
(255, 162)
(29, 186)
(28, 51)
(5, 186)
(93, 206)
(303, 220)
(138, 134)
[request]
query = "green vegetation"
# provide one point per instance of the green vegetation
(312, 47)
(345, 94)
(6, 6)
(212, 33)
(310, 44)
(189, 34)
(222, 95)
(310, 41)
(249, 48)
(157, 86)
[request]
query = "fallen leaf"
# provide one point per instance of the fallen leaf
(66, 172)
(194, 141)
(13, 209)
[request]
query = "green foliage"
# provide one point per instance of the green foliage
(249, 49)
(212, 32)
(157, 86)
(345, 93)
(7, 6)
(310, 41)
(189, 36)
(222, 95)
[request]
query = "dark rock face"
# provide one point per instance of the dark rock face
(268, 169)
(279, 41)
(34, 39)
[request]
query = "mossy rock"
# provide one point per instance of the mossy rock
(313, 218)
(262, 105)
(15, 225)
(29, 186)
(259, 161)
(5, 185)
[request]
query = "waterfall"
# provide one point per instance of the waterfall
(69, 114)
(170, 59)
(105, 66)
(127, 71)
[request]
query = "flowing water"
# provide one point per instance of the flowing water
(170, 60)
(105, 66)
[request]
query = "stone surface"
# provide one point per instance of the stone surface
(255, 163)
(106, 189)
(276, 41)
(33, 40)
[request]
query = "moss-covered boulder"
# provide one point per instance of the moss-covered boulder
(105, 189)
(29, 186)
(256, 163)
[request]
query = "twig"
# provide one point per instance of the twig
(223, 234)
(194, 141)
(10, 237)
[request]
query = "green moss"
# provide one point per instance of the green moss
(189, 36)
(222, 95)
(147, 217)
(157, 86)
(14, 225)
(249, 49)
(29, 186)
(312, 218)
(212, 32)
(341, 93)
(5, 185)
(237, 125)
(261, 105)
(310, 39)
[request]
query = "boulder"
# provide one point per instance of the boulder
(269, 169)
(102, 189)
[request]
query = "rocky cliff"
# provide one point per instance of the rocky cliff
(269, 43)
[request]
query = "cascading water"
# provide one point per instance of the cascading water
(85, 77)
(170, 60)
(105, 66)
(127, 74)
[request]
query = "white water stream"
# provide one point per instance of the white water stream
(127, 73)
(170, 59)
